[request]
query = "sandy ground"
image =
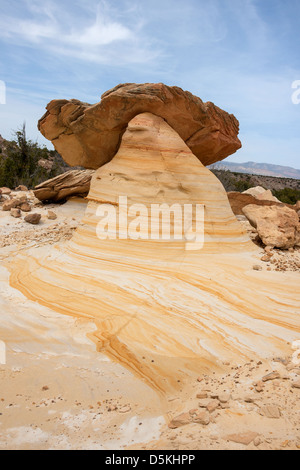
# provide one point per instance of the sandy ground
(57, 392)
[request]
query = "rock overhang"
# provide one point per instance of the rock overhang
(89, 135)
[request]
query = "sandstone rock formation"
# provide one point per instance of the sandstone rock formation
(261, 194)
(240, 200)
(277, 226)
(161, 310)
(71, 183)
(89, 135)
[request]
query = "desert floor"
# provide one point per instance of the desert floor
(58, 392)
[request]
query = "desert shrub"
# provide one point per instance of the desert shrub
(242, 185)
(20, 165)
(287, 195)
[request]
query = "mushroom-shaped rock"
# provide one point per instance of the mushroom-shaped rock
(90, 135)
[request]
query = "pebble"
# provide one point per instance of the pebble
(270, 411)
(272, 376)
(242, 438)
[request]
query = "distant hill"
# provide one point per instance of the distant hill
(253, 168)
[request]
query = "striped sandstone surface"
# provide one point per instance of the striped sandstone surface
(163, 312)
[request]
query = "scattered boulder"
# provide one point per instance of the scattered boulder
(25, 207)
(243, 438)
(256, 267)
(51, 215)
(5, 191)
(21, 187)
(272, 376)
(200, 417)
(15, 212)
(261, 194)
(21, 199)
(180, 420)
(277, 226)
(33, 218)
(296, 384)
(270, 411)
(64, 186)
(239, 200)
(212, 405)
(224, 397)
(10, 204)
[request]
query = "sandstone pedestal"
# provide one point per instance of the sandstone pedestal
(164, 312)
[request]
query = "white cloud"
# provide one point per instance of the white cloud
(95, 37)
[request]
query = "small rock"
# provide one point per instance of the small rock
(10, 204)
(224, 397)
(259, 387)
(202, 395)
(204, 402)
(257, 441)
(265, 258)
(270, 411)
(200, 417)
(272, 376)
(21, 199)
(33, 218)
(37, 202)
(180, 420)
(268, 250)
(296, 384)
(124, 409)
(51, 215)
(25, 207)
(256, 267)
(243, 438)
(212, 405)
(21, 187)
(5, 190)
(15, 212)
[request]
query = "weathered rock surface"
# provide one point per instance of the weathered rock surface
(243, 438)
(239, 200)
(277, 226)
(5, 191)
(261, 193)
(165, 312)
(89, 135)
(64, 186)
(33, 219)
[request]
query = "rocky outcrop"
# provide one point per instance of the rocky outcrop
(261, 194)
(124, 282)
(277, 226)
(240, 200)
(89, 135)
(64, 186)
(164, 309)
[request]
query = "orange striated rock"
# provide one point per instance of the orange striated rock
(277, 226)
(89, 135)
(167, 313)
(240, 200)
(68, 184)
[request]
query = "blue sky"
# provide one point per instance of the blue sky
(243, 55)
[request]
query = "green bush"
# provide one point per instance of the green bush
(242, 185)
(20, 165)
(288, 195)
